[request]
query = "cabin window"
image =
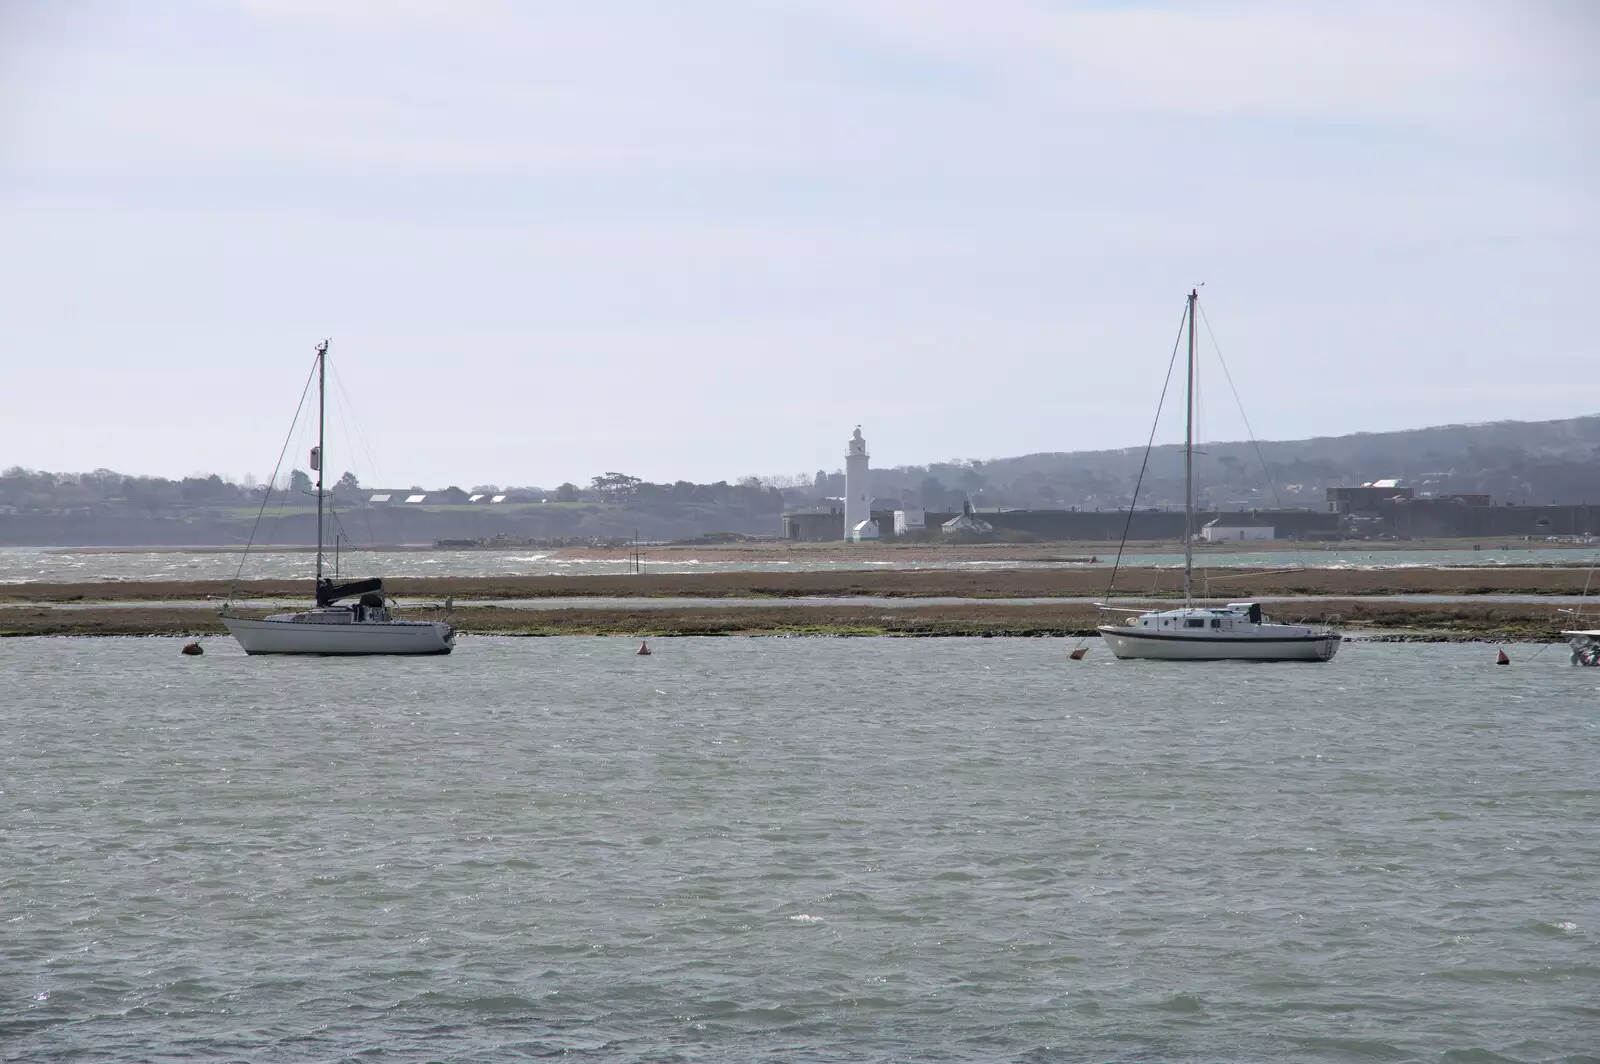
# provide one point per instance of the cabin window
(1215, 623)
(1194, 622)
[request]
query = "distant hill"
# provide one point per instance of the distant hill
(1539, 462)
(1512, 461)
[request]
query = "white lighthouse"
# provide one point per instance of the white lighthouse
(857, 491)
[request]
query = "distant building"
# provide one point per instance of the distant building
(1220, 530)
(1366, 498)
(813, 526)
(857, 485)
(908, 521)
(966, 523)
(865, 530)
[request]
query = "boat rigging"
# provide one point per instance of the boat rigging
(365, 626)
(1238, 631)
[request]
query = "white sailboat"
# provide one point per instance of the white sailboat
(1585, 642)
(332, 626)
(1239, 631)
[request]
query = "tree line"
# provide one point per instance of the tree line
(29, 489)
(1523, 462)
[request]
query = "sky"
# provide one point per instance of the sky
(706, 239)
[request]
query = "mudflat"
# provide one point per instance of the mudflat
(914, 583)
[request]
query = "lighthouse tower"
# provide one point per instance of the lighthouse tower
(857, 485)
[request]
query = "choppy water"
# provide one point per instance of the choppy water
(796, 850)
(1287, 606)
(25, 565)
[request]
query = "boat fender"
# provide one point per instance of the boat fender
(193, 648)
(644, 649)
(1500, 658)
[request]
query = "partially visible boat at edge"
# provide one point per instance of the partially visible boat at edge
(334, 626)
(1239, 631)
(1585, 644)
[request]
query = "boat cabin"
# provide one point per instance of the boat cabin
(1203, 618)
(369, 609)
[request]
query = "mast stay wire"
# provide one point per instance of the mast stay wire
(347, 417)
(1272, 485)
(1199, 435)
(305, 435)
(1577, 614)
(1145, 463)
(348, 410)
(271, 483)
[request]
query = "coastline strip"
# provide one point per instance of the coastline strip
(1138, 583)
(1459, 620)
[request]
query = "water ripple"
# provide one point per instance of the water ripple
(798, 850)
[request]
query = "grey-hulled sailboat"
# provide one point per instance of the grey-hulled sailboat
(1238, 631)
(334, 626)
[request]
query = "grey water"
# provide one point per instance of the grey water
(1312, 604)
(796, 850)
(36, 565)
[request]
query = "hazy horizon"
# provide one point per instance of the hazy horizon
(706, 243)
(303, 440)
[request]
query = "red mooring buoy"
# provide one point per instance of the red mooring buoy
(644, 649)
(1077, 655)
(1500, 658)
(193, 649)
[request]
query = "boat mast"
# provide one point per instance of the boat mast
(1188, 466)
(322, 462)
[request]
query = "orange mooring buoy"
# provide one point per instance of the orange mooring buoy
(1077, 655)
(193, 649)
(1500, 658)
(644, 649)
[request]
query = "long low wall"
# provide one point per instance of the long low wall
(1102, 525)
(1423, 517)
(1417, 519)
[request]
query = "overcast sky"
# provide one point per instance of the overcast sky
(706, 238)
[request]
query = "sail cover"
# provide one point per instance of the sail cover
(329, 592)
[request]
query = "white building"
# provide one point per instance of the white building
(966, 523)
(1217, 532)
(857, 487)
(907, 521)
(866, 530)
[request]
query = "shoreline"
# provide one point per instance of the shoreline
(1463, 604)
(1141, 582)
(912, 551)
(1460, 621)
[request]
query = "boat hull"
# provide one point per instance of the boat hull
(1128, 644)
(1585, 647)
(264, 635)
